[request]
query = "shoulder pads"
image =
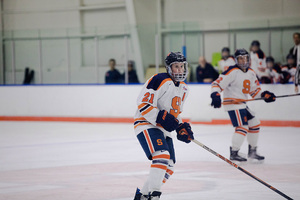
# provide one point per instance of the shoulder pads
(157, 80)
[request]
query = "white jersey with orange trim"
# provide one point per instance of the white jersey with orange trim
(237, 84)
(225, 64)
(258, 63)
(159, 93)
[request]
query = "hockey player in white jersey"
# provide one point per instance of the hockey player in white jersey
(258, 60)
(238, 82)
(227, 60)
(158, 114)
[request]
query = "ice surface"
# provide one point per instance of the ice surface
(102, 161)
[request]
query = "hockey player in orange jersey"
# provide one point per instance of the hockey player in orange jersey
(237, 82)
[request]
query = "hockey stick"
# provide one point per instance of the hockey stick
(241, 169)
(227, 102)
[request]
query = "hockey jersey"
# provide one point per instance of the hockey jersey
(224, 64)
(291, 70)
(258, 63)
(159, 93)
(297, 76)
(236, 85)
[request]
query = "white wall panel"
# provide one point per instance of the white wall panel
(25, 5)
(120, 101)
(214, 42)
(101, 2)
(228, 10)
(47, 20)
(107, 19)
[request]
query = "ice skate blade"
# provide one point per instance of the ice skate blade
(239, 163)
(255, 161)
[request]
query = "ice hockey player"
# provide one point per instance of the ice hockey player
(227, 60)
(237, 82)
(159, 106)
(258, 60)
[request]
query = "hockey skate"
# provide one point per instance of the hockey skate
(253, 155)
(153, 196)
(139, 195)
(235, 156)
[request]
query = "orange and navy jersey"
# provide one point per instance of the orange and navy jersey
(237, 84)
(159, 93)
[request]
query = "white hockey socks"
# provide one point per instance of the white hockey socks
(160, 161)
(169, 171)
(252, 136)
(239, 137)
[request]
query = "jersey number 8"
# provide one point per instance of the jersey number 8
(246, 85)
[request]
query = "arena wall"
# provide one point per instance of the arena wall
(117, 103)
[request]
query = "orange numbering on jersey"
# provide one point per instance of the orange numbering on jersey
(219, 80)
(176, 102)
(257, 82)
(159, 142)
(146, 98)
(246, 85)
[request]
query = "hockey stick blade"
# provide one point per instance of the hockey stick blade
(241, 169)
(238, 101)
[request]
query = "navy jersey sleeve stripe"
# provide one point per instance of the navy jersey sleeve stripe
(144, 108)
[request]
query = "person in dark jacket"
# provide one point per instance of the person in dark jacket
(132, 76)
(289, 69)
(295, 50)
(113, 75)
(205, 72)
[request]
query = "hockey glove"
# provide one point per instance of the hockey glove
(268, 96)
(216, 100)
(167, 121)
(184, 132)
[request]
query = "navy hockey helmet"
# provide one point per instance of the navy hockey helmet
(226, 49)
(270, 59)
(290, 56)
(176, 57)
(255, 43)
(245, 55)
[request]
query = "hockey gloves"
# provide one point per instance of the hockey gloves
(167, 121)
(216, 100)
(268, 96)
(185, 133)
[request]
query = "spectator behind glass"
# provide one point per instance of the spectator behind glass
(258, 60)
(227, 60)
(273, 70)
(295, 50)
(113, 75)
(132, 76)
(205, 72)
(289, 69)
(297, 78)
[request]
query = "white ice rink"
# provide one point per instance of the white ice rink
(97, 161)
